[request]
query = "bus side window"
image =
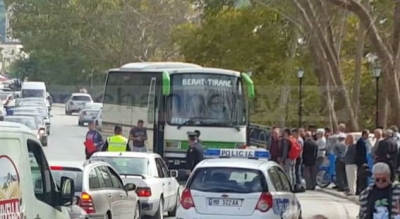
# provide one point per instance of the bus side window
(151, 101)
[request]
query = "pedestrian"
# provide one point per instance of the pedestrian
(299, 162)
(377, 137)
(341, 128)
(361, 159)
(195, 152)
(274, 144)
(286, 162)
(310, 169)
(117, 142)
(351, 166)
(328, 132)
(198, 135)
(339, 149)
(137, 137)
(380, 200)
(387, 152)
(302, 133)
(94, 136)
(321, 142)
(312, 129)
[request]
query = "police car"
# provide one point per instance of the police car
(245, 185)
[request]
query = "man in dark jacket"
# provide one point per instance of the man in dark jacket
(387, 152)
(195, 152)
(361, 159)
(310, 169)
(95, 136)
(274, 146)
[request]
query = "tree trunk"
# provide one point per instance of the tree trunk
(357, 72)
(331, 55)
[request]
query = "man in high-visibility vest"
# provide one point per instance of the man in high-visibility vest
(117, 142)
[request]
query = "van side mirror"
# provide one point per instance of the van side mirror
(67, 191)
(129, 187)
(173, 173)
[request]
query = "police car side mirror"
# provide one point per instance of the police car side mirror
(67, 191)
(129, 187)
(173, 173)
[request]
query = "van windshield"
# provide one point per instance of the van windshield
(33, 93)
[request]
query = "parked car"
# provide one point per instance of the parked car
(98, 120)
(38, 129)
(88, 112)
(157, 188)
(77, 102)
(99, 190)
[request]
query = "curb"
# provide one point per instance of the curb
(332, 192)
(58, 105)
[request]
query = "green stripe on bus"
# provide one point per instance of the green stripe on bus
(211, 144)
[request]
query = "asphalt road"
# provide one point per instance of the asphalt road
(66, 144)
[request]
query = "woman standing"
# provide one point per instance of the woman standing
(351, 166)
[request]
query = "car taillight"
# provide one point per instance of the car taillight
(265, 202)
(186, 199)
(143, 192)
(86, 203)
(56, 168)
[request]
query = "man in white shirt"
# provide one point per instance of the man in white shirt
(321, 142)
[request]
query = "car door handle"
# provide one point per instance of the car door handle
(109, 195)
(169, 183)
(121, 195)
(163, 184)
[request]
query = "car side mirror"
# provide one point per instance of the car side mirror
(67, 191)
(129, 187)
(173, 173)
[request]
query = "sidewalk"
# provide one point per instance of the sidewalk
(335, 193)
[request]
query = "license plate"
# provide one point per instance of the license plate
(225, 202)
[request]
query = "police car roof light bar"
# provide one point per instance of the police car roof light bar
(237, 153)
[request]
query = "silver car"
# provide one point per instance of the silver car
(42, 110)
(88, 112)
(99, 189)
(77, 102)
(38, 129)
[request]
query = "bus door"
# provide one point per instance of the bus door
(152, 114)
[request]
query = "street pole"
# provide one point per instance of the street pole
(377, 102)
(300, 101)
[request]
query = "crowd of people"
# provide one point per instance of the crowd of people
(350, 150)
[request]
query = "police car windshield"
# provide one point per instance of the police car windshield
(128, 165)
(226, 179)
(76, 175)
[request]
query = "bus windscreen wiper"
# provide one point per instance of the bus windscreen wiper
(190, 121)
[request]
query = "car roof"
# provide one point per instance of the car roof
(148, 155)
(19, 117)
(72, 164)
(14, 127)
(235, 162)
(80, 94)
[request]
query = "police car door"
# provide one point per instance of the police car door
(281, 193)
(294, 206)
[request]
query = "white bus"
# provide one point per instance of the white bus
(175, 98)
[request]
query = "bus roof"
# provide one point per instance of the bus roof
(154, 66)
(205, 71)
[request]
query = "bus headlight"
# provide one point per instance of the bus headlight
(173, 144)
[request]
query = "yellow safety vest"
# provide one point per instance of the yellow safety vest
(117, 143)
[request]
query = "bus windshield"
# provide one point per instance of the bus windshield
(211, 99)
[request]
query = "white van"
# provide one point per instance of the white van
(28, 189)
(33, 89)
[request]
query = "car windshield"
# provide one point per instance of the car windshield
(81, 98)
(33, 93)
(38, 118)
(232, 180)
(30, 122)
(76, 175)
(212, 98)
(93, 106)
(128, 165)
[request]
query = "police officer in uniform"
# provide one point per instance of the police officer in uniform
(117, 142)
(195, 153)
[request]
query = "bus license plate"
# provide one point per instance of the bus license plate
(225, 202)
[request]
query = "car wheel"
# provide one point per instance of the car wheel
(80, 123)
(160, 211)
(173, 212)
(137, 211)
(44, 144)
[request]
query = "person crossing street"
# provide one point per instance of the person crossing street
(93, 135)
